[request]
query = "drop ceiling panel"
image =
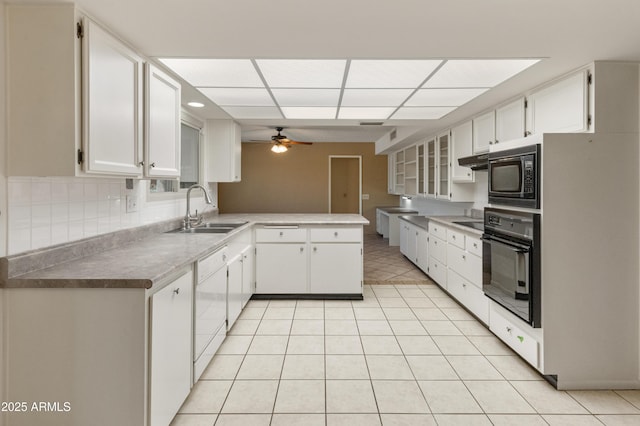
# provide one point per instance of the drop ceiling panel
(307, 73)
(361, 113)
(238, 96)
(307, 97)
(247, 112)
(389, 73)
(309, 112)
(477, 73)
(443, 97)
(374, 97)
(421, 113)
(215, 72)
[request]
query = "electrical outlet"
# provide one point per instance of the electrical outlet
(365, 196)
(132, 203)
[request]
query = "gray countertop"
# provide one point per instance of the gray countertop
(142, 263)
(449, 221)
(421, 221)
(396, 210)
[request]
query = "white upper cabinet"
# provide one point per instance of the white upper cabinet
(162, 120)
(430, 167)
(510, 121)
(560, 108)
(443, 158)
(411, 170)
(112, 104)
(484, 132)
(223, 151)
(461, 146)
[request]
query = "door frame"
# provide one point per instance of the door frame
(359, 157)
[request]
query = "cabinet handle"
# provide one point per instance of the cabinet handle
(301, 249)
(464, 285)
(497, 141)
(464, 257)
(508, 329)
(435, 243)
(177, 290)
(141, 163)
(224, 257)
(315, 249)
(469, 174)
(475, 245)
(527, 133)
(490, 142)
(335, 234)
(152, 165)
(281, 233)
(453, 236)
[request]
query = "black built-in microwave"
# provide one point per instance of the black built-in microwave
(514, 177)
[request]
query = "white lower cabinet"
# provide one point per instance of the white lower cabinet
(234, 289)
(470, 295)
(334, 268)
(422, 249)
(170, 349)
(525, 344)
(468, 265)
(281, 268)
(248, 274)
(438, 272)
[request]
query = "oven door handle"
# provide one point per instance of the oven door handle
(520, 248)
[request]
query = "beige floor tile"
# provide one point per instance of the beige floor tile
(298, 419)
(311, 327)
(337, 304)
(343, 345)
(235, 345)
(473, 367)
(571, 420)
(423, 302)
(244, 327)
(353, 420)
(388, 367)
(352, 367)
(367, 302)
(429, 314)
(306, 345)
(257, 304)
(283, 303)
(431, 367)
(517, 419)
(386, 292)
(633, 396)
(251, 397)
(276, 313)
(620, 419)
(340, 328)
(462, 420)
(433, 291)
(490, 345)
(194, 420)
(380, 345)
(441, 328)
(444, 302)
(399, 313)
(395, 396)
(513, 367)
(243, 420)
(604, 402)
(449, 397)
(310, 304)
(339, 313)
(222, 367)
(410, 292)
(374, 328)
(455, 345)
(268, 345)
(274, 327)
(309, 313)
(259, 367)
(392, 302)
(472, 328)
(457, 314)
(252, 313)
(206, 397)
(303, 367)
(407, 328)
(418, 345)
(408, 420)
(300, 396)
(350, 396)
(369, 313)
(547, 400)
(498, 397)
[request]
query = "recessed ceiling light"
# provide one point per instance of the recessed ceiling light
(365, 113)
(374, 97)
(403, 74)
(443, 97)
(328, 113)
(196, 104)
(307, 73)
(477, 72)
(238, 96)
(215, 72)
(421, 113)
(307, 97)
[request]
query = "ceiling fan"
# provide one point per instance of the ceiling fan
(281, 143)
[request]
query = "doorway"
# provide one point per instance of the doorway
(345, 184)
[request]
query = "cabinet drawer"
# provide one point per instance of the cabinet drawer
(456, 238)
(525, 345)
(468, 265)
(438, 249)
(211, 263)
(469, 295)
(438, 230)
(473, 245)
(336, 235)
(281, 235)
(438, 272)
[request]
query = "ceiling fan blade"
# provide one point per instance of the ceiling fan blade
(300, 143)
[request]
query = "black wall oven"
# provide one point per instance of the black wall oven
(514, 177)
(511, 262)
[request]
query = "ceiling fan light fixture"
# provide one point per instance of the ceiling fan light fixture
(278, 148)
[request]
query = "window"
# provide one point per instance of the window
(189, 163)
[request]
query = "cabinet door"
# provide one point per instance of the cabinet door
(281, 268)
(444, 160)
(223, 150)
(112, 113)
(336, 268)
(248, 275)
(412, 244)
(461, 146)
(484, 132)
(404, 238)
(399, 169)
(431, 168)
(170, 352)
(510, 121)
(391, 174)
(423, 250)
(422, 188)
(234, 290)
(162, 119)
(561, 108)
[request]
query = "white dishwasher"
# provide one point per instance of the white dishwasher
(210, 309)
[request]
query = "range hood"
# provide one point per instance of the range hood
(476, 162)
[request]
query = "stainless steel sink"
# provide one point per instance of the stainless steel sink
(209, 228)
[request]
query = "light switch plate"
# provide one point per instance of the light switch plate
(365, 196)
(132, 203)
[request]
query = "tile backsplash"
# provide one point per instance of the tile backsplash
(49, 211)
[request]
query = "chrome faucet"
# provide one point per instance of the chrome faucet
(191, 221)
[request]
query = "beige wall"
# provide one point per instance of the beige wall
(297, 181)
